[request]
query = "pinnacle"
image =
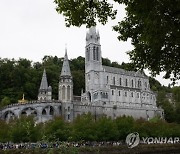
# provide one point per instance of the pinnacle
(44, 84)
(66, 69)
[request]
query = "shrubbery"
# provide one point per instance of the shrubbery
(84, 128)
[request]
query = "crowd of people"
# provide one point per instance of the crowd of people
(43, 145)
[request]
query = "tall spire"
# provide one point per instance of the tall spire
(44, 84)
(66, 69)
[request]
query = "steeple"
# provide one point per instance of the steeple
(65, 69)
(65, 82)
(45, 92)
(44, 84)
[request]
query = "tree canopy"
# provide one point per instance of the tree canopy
(152, 25)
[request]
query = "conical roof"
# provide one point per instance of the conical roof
(66, 69)
(44, 83)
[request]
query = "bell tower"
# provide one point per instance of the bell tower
(93, 61)
(65, 82)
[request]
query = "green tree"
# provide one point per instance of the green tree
(169, 111)
(85, 12)
(106, 62)
(106, 129)
(5, 101)
(176, 94)
(24, 130)
(57, 130)
(154, 29)
(4, 131)
(125, 126)
(84, 128)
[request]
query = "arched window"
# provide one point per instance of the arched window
(89, 95)
(119, 93)
(68, 92)
(114, 81)
(126, 83)
(107, 79)
(97, 53)
(43, 112)
(139, 84)
(137, 95)
(106, 95)
(132, 83)
(94, 53)
(63, 92)
(131, 94)
(120, 82)
(112, 92)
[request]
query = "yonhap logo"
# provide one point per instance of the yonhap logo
(132, 140)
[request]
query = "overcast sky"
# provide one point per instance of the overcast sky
(32, 29)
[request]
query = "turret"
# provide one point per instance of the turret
(45, 92)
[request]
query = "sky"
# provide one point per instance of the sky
(32, 29)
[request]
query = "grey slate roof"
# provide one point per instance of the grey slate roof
(44, 83)
(122, 71)
(66, 69)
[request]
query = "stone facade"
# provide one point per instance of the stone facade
(108, 91)
(42, 111)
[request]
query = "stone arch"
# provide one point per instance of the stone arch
(51, 112)
(48, 110)
(23, 113)
(44, 112)
(8, 115)
(29, 111)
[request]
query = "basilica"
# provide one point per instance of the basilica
(108, 91)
